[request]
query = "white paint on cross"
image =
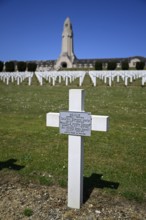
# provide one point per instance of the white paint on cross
(76, 147)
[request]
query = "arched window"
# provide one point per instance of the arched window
(64, 65)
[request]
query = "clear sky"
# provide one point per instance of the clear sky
(32, 29)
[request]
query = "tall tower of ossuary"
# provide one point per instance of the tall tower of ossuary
(67, 55)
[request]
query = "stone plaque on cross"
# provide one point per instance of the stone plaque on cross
(77, 123)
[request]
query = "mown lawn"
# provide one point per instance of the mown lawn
(40, 153)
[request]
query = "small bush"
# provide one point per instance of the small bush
(125, 65)
(28, 212)
(45, 181)
(111, 65)
(140, 65)
(62, 182)
(21, 66)
(98, 65)
(1, 66)
(10, 66)
(31, 67)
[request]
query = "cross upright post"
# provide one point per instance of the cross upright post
(75, 154)
(75, 142)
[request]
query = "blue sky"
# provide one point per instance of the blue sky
(32, 29)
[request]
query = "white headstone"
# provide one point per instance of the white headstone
(75, 140)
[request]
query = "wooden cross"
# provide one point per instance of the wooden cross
(75, 145)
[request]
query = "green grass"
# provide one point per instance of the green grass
(119, 155)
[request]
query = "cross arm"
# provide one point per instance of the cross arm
(99, 122)
(52, 119)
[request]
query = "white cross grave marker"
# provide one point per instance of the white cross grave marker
(76, 122)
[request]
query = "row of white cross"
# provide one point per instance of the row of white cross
(68, 77)
(110, 76)
(50, 76)
(17, 77)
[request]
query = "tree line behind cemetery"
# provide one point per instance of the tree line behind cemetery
(111, 65)
(22, 66)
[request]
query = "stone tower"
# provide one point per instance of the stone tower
(67, 56)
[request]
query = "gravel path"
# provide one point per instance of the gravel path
(50, 203)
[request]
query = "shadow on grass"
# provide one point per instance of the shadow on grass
(10, 164)
(95, 181)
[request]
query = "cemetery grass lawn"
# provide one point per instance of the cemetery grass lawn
(39, 153)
